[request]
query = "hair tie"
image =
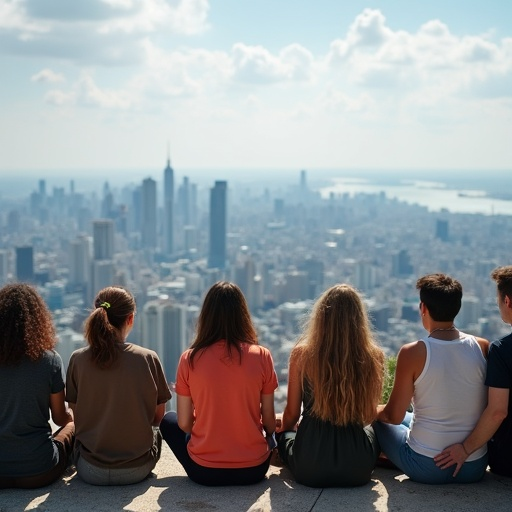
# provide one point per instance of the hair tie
(105, 305)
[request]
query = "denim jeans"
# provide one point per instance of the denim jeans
(420, 468)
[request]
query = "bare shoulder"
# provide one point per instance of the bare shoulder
(411, 359)
(297, 353)
(416, 349)
(484, 345)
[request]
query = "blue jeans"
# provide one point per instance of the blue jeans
(420, 468)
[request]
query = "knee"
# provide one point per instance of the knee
(168, 423)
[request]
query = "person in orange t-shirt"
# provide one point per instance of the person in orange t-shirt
(223, 430)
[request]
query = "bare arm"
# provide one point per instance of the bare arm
(61, 415)
(409, 365)
(484, 346)
(268, 416)
(185, 413)
(495, 412)
(292, 410)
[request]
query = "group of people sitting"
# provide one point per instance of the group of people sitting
(446, 419)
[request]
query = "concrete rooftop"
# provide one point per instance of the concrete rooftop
(170, 489)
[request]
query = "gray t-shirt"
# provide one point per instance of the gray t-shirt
(26, 445)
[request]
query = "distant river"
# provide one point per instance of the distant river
(434, 195)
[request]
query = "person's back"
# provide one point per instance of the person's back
(118, 392)
(26, 446)
(227, 387)
(108, 402)
(499, 376)
(335, 372)
(449, 392)
(31, 386)
(329, 455)
(443, 376)
(225, 396)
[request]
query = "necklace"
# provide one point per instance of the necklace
(452, 328)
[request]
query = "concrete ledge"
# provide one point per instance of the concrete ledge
(170, 489)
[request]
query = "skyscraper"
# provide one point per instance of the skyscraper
(164, 330)
(103, 239)
(25, 263)
(4, 265)
(442, 230)
(168, 208)
(184, 201)
(79, 261)
(102, 269)
(148, 224)
(218, 210)
(102, 275)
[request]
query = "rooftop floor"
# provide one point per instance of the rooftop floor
(170, 489)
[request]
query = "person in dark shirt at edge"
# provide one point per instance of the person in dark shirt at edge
(31, 386)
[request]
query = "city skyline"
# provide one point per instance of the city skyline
(282, 245)
(393, 85)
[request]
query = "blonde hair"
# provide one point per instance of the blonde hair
(340, 359)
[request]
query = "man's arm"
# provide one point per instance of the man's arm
(409, 365)
(495, 412)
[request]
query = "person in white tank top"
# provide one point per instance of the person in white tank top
(442, 376)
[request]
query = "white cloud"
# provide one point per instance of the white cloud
(256, 65)
(369, 29)
(60, 98)
(86, 93)
(76, 10)
(47, 76)
(188, 17)
(97, 32)
(13, 21)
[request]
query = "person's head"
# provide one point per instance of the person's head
(26, 326)
(503, 278)
(441, 295)
(109, 323)
(342, 362)
(224, 316)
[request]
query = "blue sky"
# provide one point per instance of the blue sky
(236, 84)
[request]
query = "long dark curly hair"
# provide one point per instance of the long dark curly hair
(26, 325)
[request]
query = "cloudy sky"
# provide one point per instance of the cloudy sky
(245, 84)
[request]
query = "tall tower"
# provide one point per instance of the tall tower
(103, 239)
(168, 208)
(184, 201)
(164, 330)
(79, 261)
(25, 263)
(102, 269)
(217, 254)
(148, 213)
(4, 266)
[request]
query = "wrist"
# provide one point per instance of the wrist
(464, 448)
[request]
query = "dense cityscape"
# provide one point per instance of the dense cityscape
(169, 242)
